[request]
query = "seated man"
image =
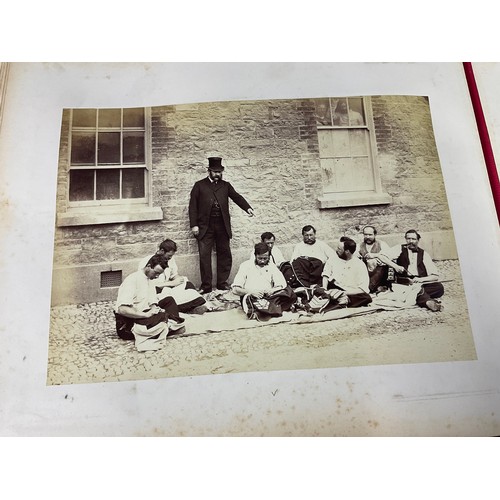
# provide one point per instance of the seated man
(308, 260)
(170, 284)
(138, 313)
(414, 265)
(260, 280)
(276, 257)
(346, 277)
(377, 270)
(310, 247)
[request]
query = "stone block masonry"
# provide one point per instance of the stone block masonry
(271, 153)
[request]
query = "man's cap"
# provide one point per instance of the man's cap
(215, 164)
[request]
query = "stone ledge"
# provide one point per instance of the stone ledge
(341, 200)
(95, 217)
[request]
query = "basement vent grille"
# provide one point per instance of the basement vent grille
(110, 279)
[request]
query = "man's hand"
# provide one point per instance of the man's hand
(250, 212)
(178, 280)
(416, 279)
(257, 295)
(196, 231)
(151, 312)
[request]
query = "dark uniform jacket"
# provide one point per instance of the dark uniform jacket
(203, 195)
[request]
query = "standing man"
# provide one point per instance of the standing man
(211, 223)
(413, 263)
(377, 270)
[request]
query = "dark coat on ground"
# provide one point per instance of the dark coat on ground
(202, 198)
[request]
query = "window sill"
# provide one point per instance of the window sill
(96, 216)
(341, 200)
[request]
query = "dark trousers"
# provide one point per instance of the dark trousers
(171, 309)
(124, 324)
(216, 234)
(356, 299)
(378, 277)
(429, 291)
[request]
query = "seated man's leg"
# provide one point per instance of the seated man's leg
(378, 277)
(286, 298)
(428, 292)
(359, 300)
(124, 327)
(172, 313)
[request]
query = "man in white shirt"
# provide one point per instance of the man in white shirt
(347, 274)
(171, 284)
(377, 270)
(311, 247)
(415, 265)
(276, 257)
(138, 311)
(261, 279)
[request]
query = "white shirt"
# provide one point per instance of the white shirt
(250, 276)
(169, 273)
(276, 256)
(394, 252)
(319, 250)
(137, 291)
(347, 273)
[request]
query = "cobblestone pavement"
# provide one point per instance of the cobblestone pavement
(84, 347)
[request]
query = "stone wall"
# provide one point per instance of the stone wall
(270, 151)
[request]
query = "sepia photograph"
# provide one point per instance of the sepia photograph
(252, 235)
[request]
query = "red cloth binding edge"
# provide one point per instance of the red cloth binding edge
(483, 135)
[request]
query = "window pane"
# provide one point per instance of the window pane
(356, 112)
(83, 148)
(110, 118)
(108, 148)
(133, 147)
(363, 174)
(345, 176)
(81, 185)
(323, 116)
(133, 183)
(133, 117)
(340, 143)
(108, 184)
(84, 118)
(359, 142)
(340, 115)
(328, 170)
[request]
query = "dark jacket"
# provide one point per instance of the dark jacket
(202, 198)
(404, 260)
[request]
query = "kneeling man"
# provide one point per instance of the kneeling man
(258, 279)
(138, 313)
(346, 276)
